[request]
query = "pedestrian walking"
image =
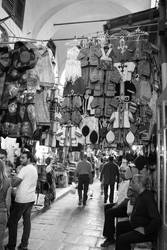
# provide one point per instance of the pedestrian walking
(84, 173)
(26, 181)
(110, 175)
(5, 201)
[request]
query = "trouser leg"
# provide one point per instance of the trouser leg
(108, 222)
(105, 192)
(111, 193)
(26, 224)
(126, 236)
(16, 213)
(85, 194)
(80, 188)
(3, 223)
(110, 214)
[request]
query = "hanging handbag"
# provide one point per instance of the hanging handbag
(24, 56)
(11, 121)
(5, 59)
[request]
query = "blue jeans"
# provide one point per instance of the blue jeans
(19, 210)
(3, 223)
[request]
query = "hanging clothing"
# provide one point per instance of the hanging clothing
(69, 136)
(143, 90)
(41, 110)
(98, 105)
(113, 76)
(44, 66)
(89, 108)
(76, 136)
(106, 60)
(90, 55)
(121, 119)
(11, 121)
(77, 88)
(128, 69)
(72, 65)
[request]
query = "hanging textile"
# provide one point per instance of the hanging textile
(73, 65)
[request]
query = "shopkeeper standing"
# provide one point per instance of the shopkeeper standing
(84, 173)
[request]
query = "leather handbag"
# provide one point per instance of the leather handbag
(24, 56)
(5, 59)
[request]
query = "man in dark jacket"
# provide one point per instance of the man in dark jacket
(109, 175)
(144, 222)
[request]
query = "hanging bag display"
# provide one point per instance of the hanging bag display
(26, 126)
(11, 121)
(24, 56)
(5, 59)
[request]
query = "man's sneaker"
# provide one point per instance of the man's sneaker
(108, 242)
(20, 247)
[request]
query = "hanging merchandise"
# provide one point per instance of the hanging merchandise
(130, 138)
(85, 130)
(26, 126)
(106, 61)
(24, 56)
(89, 126)
(110, 137)
(127, 71)
(72, 68)
(89, 57)
(143, 90)
(44, 67)
(71, 107)
(5, 59)
(11, 121)
(116, 88)
(2, 83)
(122, 117)
(26, 71)
(76, 88)
(69, 136)
(41, 110)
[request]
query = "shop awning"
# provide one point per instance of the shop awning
(162, 97)
(147, 20)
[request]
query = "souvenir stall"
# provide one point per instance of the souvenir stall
(110, 93)
(27, 77)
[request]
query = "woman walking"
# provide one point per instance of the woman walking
(5, 200)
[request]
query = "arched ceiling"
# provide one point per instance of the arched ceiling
(40, 15)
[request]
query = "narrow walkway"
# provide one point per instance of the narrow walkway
(65, 226)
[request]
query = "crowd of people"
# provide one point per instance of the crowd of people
(135, 204)
(129, 175)
(16, 202)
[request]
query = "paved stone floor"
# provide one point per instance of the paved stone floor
(65, 226)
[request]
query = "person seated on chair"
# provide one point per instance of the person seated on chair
(144, 222)
(118, 209)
